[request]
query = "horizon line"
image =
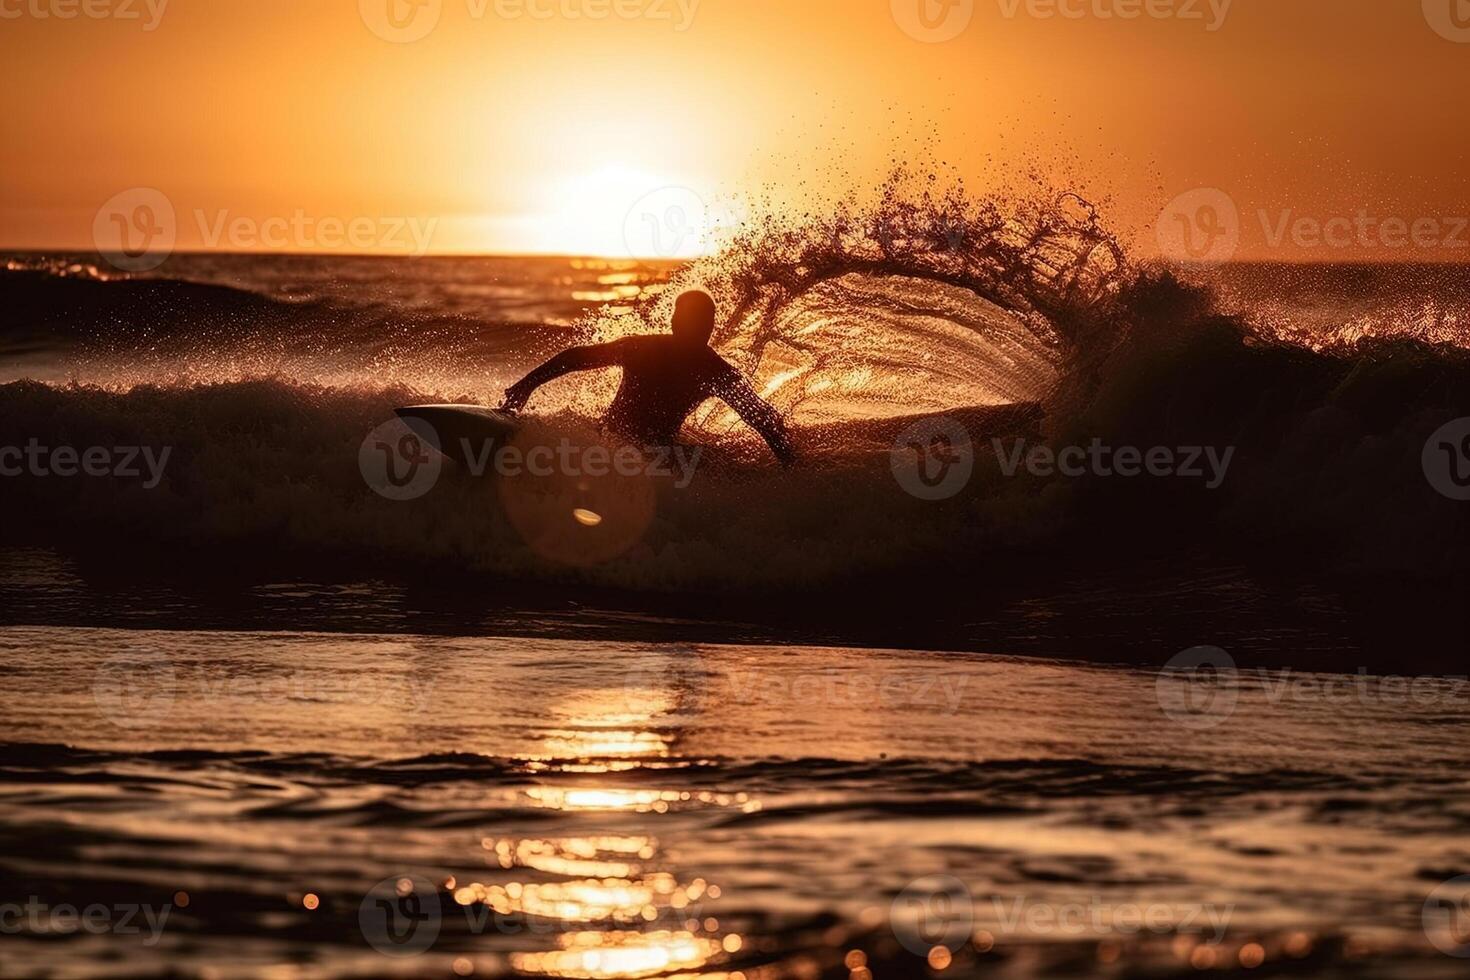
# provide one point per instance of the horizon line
(590, 256)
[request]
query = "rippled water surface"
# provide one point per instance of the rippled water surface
(309, 804)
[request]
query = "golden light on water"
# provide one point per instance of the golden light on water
(587, 900)
(601, 731)
(616, 912)
(1202, 957)
(599, 955)
(601, 743)
(1252, 955)
(638, 801)
(1299, 945)
(617, 890)
(641, 800)
(576, 857)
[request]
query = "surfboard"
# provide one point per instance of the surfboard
(460, 432)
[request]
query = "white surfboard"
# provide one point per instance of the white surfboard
(460, 432)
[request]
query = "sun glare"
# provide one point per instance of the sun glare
(625, 212)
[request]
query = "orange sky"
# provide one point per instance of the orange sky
(512, 125)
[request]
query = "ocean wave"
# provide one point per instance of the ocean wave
(1018, 782)
(1325, 471)
(69, 321)
(1025, 325)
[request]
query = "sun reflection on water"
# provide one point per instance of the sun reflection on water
(605, 730)
(602, 743)
(578, 856)
(602, 900)
(654, 922)
(598, 955)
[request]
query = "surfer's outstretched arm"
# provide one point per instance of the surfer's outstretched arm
(756, 413)
(569, 360)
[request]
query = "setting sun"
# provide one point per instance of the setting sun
(624, 212)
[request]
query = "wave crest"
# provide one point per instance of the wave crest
(927, 300)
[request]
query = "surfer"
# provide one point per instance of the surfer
(665, 377)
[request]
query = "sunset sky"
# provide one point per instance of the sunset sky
(517, 127)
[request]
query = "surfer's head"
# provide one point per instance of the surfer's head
(694, 317)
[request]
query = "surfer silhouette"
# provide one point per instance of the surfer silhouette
(665, 377)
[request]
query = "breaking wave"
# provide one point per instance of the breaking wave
(1021, 321)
